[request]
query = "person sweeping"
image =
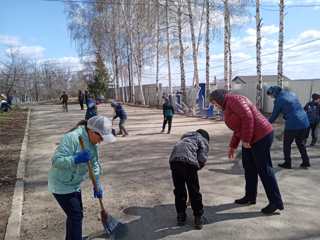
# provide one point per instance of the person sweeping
(70, 168)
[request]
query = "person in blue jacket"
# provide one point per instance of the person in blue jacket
(91, 109)
(296, 123)
(122, 115)
(312, 109)
(69, 169)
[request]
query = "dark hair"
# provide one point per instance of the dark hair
(81, 123)
(315, 96)
(218, 96)
(204, 134)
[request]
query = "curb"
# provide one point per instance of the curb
(14, 222)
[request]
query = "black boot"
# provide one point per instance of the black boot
(245, 200)
(285, 165)
(271, 208)
(198, 222)
(181, 219)
(305, 165)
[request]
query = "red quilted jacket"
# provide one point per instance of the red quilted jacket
(246, 121)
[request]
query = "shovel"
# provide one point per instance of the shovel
(110, 224)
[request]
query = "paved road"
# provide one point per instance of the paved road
(138, 187)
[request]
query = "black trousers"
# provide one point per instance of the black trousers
(257, 162)
(314, 132)
(299, 136)
(71, 204)
(186, 175)
(165, 121)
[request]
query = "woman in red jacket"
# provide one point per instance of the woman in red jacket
(256, 134)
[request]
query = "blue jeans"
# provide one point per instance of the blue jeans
(257, 162)
(71, 204)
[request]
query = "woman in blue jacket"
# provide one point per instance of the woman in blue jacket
(69, 169)
(296, 123)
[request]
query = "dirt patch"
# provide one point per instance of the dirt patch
(12, 127)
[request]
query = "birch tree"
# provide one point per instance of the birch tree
(258, 56)
(280, 49)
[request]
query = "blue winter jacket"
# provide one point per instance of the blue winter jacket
(120, 112)
(65, 176)
(287, 103)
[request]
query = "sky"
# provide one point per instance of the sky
(39, 29)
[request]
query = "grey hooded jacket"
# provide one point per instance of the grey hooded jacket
(192, 149)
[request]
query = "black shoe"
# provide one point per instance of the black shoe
(245, 200)
(285, 165)
(305, 165)
(181, 219)
(271, 208)
(198, 222)
(168, 132)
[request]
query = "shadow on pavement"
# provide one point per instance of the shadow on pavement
(160, 221)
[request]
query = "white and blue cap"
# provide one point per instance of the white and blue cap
(103, 126)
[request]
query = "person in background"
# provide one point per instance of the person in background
(256, 134)
(4, 106)
(81, 99)
(64, 100)
(91, 109)
(188, 156)
(312, 109)
(86, 97)
(69, 169)
(168, 112)
(120, 112)
(296, 124)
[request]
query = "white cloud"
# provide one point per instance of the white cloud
(9, 40)
(74, 63)
(29, 51)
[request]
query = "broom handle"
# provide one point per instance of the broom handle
(91, 175)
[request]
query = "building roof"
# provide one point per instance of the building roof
(265, 78)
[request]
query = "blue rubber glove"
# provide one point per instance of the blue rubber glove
(98, 193)
(82, 157)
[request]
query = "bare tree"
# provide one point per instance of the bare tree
(168, 46)
(207, 47)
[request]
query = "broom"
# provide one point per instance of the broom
(110, 224)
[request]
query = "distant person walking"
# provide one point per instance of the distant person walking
(122, 115)
(296, 124)
(312, 109)
(86, 97)
(64, 100)
(81, 99)
(256, 134)
(168, 112)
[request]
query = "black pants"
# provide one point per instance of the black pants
(81, 104)
(165, 120)
(299, 136)
(314, 132)
(182, 175)
(257, 161)
(122, 129)
(71, 204)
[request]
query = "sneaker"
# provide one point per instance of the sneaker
(162, 131)
(198, 222)
(271, 208)
(181, 219)
(305, 165)
(285, 165)
(168, 132)
(245, 200)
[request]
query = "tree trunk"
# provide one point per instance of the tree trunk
(168, 48)
(258, 54)
(280, 50)
(194, 49)
(207, 42)
(158, 41)
(181, 56)
(226, 46)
